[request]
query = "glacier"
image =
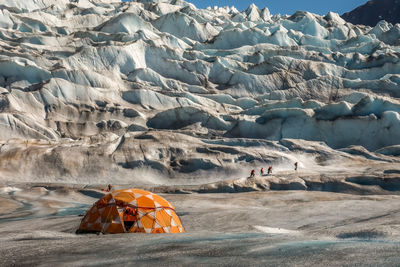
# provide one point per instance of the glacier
(114, 90)
(185, 102)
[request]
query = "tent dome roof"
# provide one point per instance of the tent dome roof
(151, 214)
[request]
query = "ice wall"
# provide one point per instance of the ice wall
(90, 68)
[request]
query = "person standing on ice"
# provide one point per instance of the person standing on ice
(109, 187)
(295, 166)
(252, 173)
(270, 170)
(262, 171)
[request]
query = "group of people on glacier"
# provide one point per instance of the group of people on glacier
(253, 172)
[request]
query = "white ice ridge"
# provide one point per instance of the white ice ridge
(271, 230)
(85, 68)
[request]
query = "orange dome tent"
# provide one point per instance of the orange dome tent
(131, 211)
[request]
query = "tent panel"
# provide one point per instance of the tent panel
(158, 231)
(115, 228)
(142, 192)
(95, 227)
(174, 230)
(162, 201)
(176, 219)
(108, 214)
(137, 230)
(144, 201)
(163, 218)
(103, 201)
(124, 197)
(93, 215)
(147, 221)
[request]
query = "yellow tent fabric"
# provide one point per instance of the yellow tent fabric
(153, 214)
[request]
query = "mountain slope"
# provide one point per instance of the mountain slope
(374, 11)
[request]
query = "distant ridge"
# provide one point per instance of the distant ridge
(374, 11)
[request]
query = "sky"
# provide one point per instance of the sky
(321, 7)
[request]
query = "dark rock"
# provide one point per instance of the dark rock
(374, 11)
